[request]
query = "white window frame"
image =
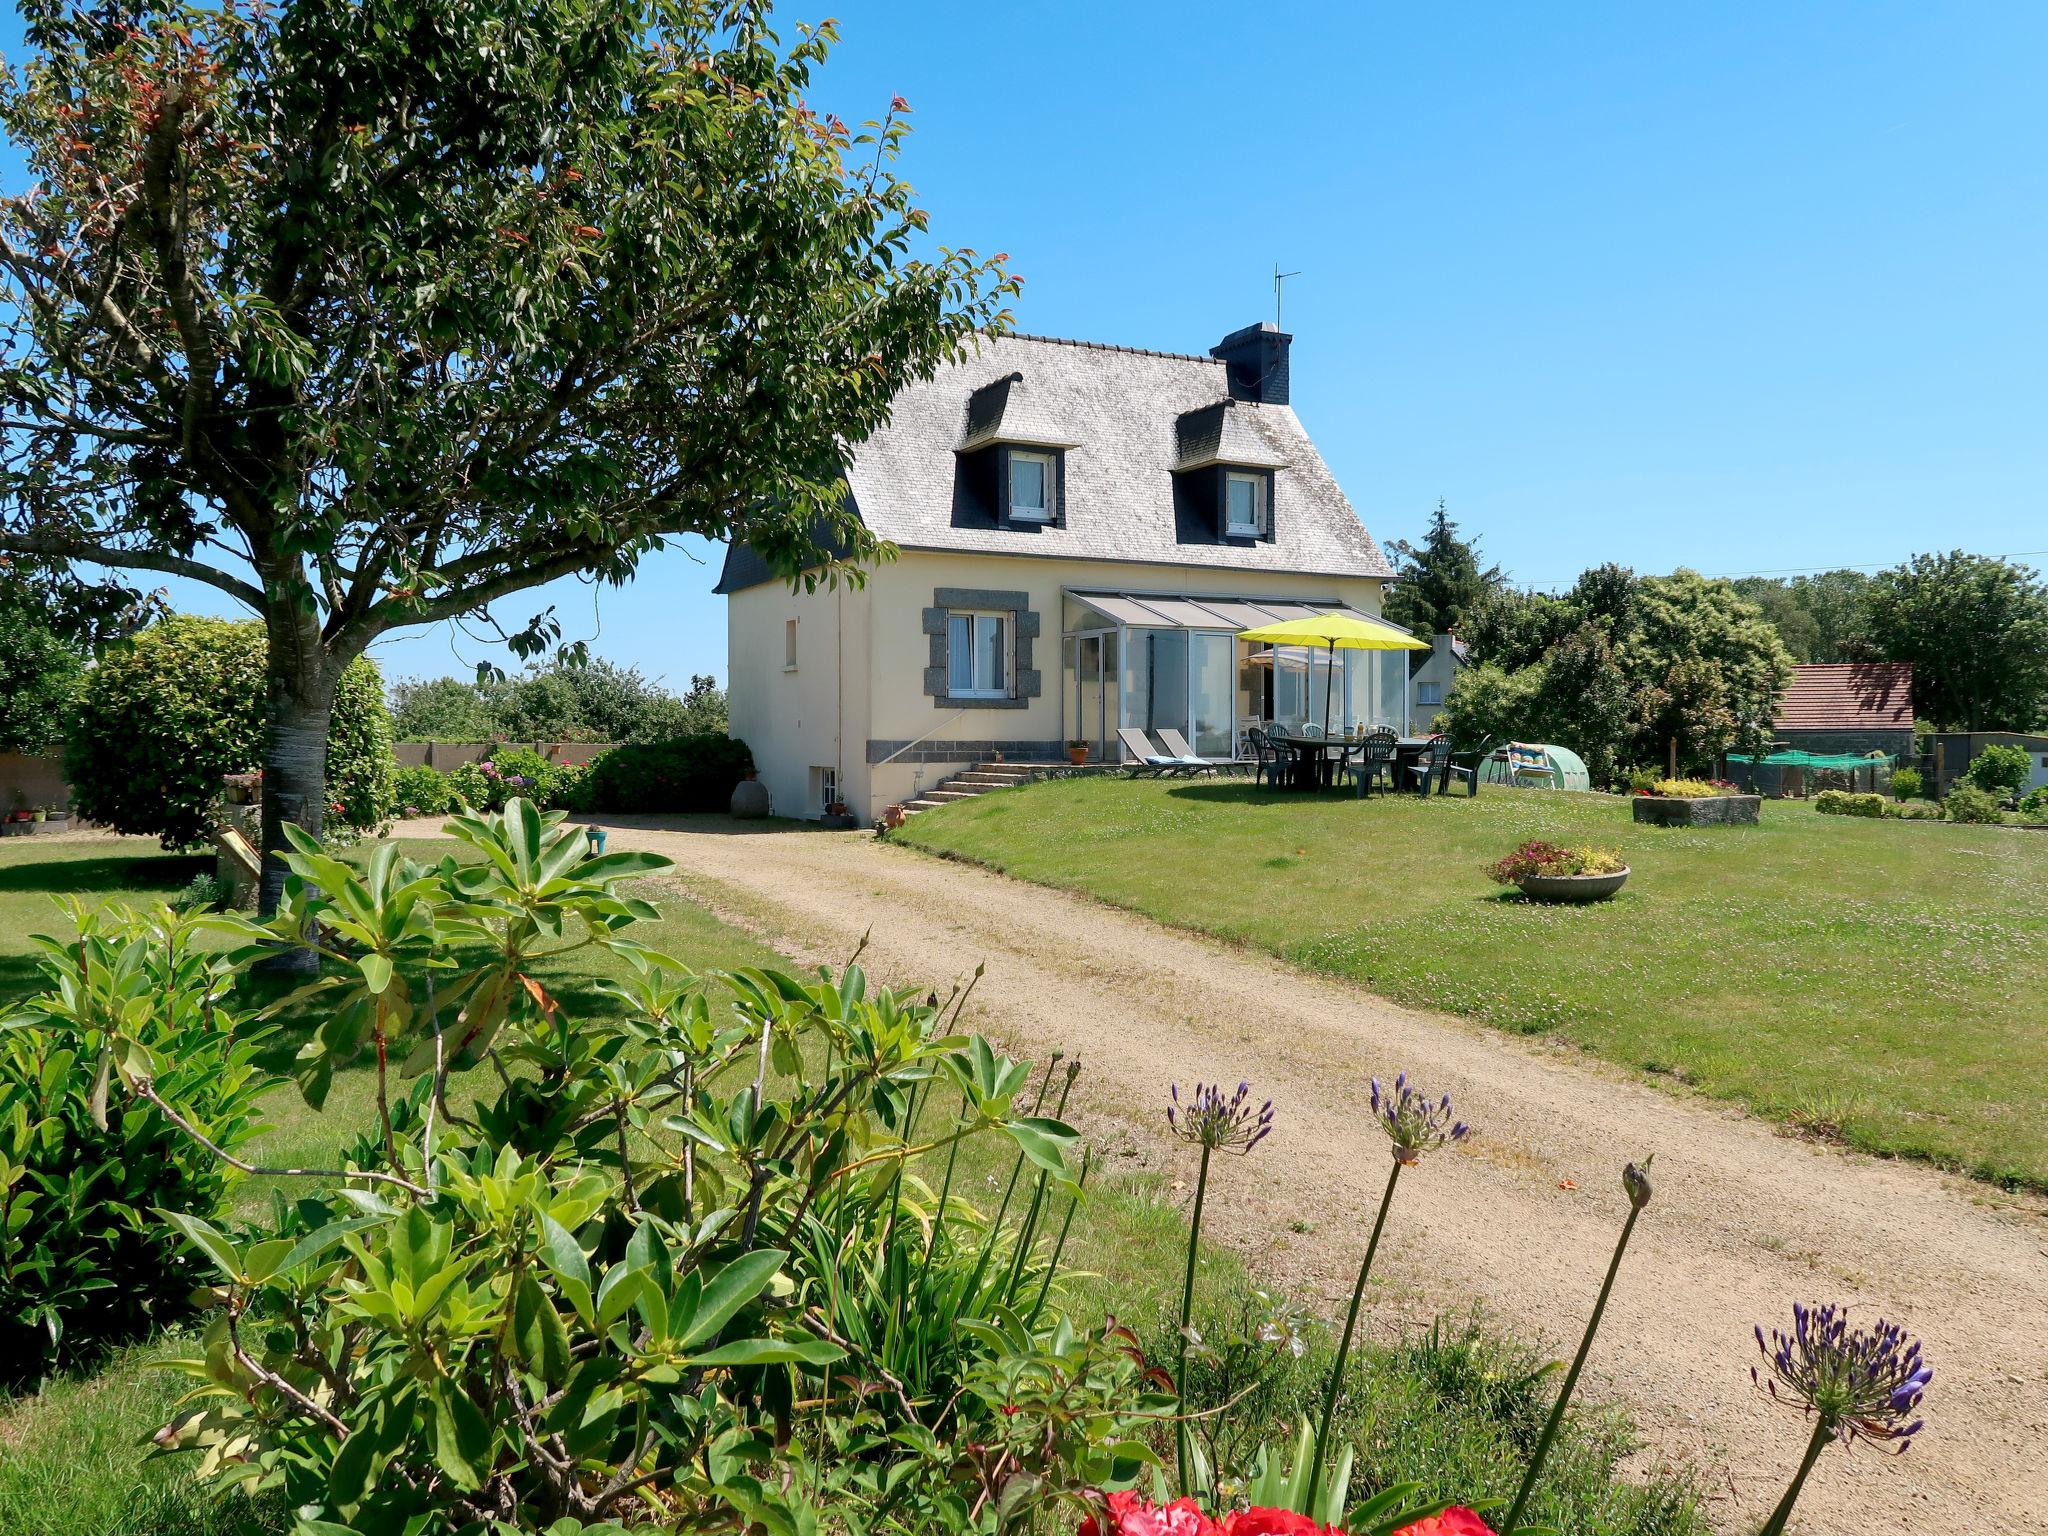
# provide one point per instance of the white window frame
(1421, 695)
(1257, 527)
(1051, 464)
(976, 618)
(789, 645)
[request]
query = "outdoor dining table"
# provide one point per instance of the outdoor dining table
(1316, 757)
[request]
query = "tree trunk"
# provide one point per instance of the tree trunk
(300, 679)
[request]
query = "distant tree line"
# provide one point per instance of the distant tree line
(1629, 670)
(595, 701)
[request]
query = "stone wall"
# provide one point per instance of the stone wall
(446, 756)
(32, 781)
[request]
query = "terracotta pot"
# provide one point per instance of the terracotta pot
(893, 816)
(1077, 755)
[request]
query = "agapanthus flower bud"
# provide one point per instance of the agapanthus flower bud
(1637, 1182)
(1209, 1119)
(1863, 1383)
(1413, 1123)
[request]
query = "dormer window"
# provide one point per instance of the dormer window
(1033, 486)
(1244, 505)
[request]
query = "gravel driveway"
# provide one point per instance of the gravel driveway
(1745, 1220)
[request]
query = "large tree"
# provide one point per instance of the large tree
(1438, 583)
(368, 317)
(1623, 668)
(1820, 617)
(1975, 629)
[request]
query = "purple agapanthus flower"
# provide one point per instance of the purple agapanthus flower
(1221, 1123)
(1864, 1383)
(1412, 1122)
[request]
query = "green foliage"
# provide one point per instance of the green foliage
(1621, 666)
(2035, 804)
(1438, 584)
(1913, 810)
(2000, 768)
(1906, 783)
(423, 791)
(162, 719)
(1707, 669)
(1968, 803)
(1841, 802)
(509, 773)
(203, 893)
(684, 775)
(602, 1292)
(1686, 789)
(1488, 701)
(418, 313)
(40, 670)
(440, 709)
(1819, 618)
(596, 700)
(1975, 629)
(84, 1175)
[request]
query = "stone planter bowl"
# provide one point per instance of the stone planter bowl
(1572, 887)
(749, 799)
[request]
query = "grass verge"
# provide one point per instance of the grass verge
(1884, 983)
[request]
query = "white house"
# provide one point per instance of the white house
(1429, 685)
(1083, 529)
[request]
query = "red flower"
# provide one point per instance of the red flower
(1455, 1521)
(1274, 1522)
(1130, 1515)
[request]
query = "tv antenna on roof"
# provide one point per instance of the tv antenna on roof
(1279, 277)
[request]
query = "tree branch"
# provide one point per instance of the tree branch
(131, 560)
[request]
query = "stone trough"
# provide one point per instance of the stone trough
(1699, 811)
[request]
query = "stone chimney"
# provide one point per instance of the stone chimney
(1256, 360)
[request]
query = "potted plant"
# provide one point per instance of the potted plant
(1547, 872)
(838, 818)
(893, 816)
(1077, 752)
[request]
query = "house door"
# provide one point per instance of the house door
(1095, 710)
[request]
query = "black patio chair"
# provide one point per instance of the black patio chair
(1375, 761)
(1425, 766)
(1448, 769)
(1273, 761)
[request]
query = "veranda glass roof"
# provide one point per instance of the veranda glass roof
(1233, 614)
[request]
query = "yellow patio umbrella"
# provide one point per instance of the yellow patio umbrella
(1337, 631)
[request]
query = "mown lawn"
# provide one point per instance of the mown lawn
(1882, 982)
(1458, 1408)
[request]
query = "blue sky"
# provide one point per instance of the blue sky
(1748, 289)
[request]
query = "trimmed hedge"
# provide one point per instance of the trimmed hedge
(682, 775)
(164, 718)
(1839, 802)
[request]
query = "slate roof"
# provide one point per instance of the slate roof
(1848, 696)
(1122, 410)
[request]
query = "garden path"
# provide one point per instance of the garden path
(1745, 1219)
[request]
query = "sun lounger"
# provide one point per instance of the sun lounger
(1177, 748)
(1147, 761)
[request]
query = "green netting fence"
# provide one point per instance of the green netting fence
(1845, 761)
